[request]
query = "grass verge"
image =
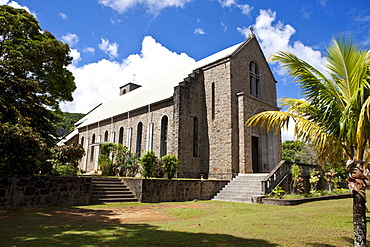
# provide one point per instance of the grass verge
(202, 223)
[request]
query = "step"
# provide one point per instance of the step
(110, 190)
(242, 188)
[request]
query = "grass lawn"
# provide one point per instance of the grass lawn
(202, 223)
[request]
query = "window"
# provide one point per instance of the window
(120, 135)
(254, 75)
(149, 138)
(195, 137)
(106, 136)
(139, 138)
(92, 147)
(129, 136)
(213, 100)
(164, 135)
(82, 141)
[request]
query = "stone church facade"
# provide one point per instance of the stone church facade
(197, 114)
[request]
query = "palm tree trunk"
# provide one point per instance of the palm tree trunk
(359, 219)
(357, 184)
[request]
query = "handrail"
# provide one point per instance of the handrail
(280, 172)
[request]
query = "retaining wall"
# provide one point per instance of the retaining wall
(36, 191)
(158, 190)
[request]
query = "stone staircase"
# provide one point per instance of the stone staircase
(108, 190)
(242, 188)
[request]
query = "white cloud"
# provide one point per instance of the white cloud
(227, 3)
(76, 56)
(16, 5)
(64, 16)
(154, 6)
(89, 50)
(99, 82)
(199, 31)
(110, 49)
(71, 39)
(246, 9)
(224, 26)
(276, 36)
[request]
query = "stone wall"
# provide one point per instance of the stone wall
(36, 191)
(156, 190)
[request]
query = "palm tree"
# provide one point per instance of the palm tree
(334, 115)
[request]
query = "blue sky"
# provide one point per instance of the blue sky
(114, 42)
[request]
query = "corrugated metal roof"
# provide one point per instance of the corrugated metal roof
(156, 91)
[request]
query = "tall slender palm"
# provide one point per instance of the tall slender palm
(334, 116)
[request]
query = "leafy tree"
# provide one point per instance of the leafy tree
(33, 74)
(22, 146)
(65, 159)
(33, 81)
(67, 120)
(334, 117)
(148, 162)
(297, 151)
(170, 165)
(124, 162)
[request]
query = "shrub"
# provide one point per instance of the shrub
(314, 179)
(65, 159)
(170, 165)
(148, 162)
(297, 180)
(125, 163)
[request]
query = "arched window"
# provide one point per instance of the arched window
(82, 141)
(139, 138)
(92, 147)
(195, 137)
(106, 136)
(254, 76)
(164, 135)
(120, 135)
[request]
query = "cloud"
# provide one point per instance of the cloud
(154, 6)
(227, 3)
(99, 82)
(64, 16)
(277, 36)
(90, 50)
(76, 56)
(71, 39)
(16, 5)
(110, 49)
(224, 26)
(246, 8)
(199, 31)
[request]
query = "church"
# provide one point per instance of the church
(197, 113)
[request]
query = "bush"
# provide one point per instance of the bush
(148, 163)
(125, 163)
(170, 165)
(65, 159)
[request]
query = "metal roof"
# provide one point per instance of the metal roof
(156, 91)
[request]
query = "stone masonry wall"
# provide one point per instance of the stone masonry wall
(39, 191)
(150, 114)
(155, 190)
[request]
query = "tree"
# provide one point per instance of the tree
(65, 159)
(33, 74)
(334, 117)
(297, 151)
(33, 81)
(148, 162)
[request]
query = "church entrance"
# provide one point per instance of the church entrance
(256, 167)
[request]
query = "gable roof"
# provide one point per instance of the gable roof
(156, 91)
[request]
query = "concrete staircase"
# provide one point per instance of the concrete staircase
(242, 188)
(108, 190)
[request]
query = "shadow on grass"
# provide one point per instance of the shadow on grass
(84, 227)
(348, 240)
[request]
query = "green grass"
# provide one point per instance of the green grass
(202, 223)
